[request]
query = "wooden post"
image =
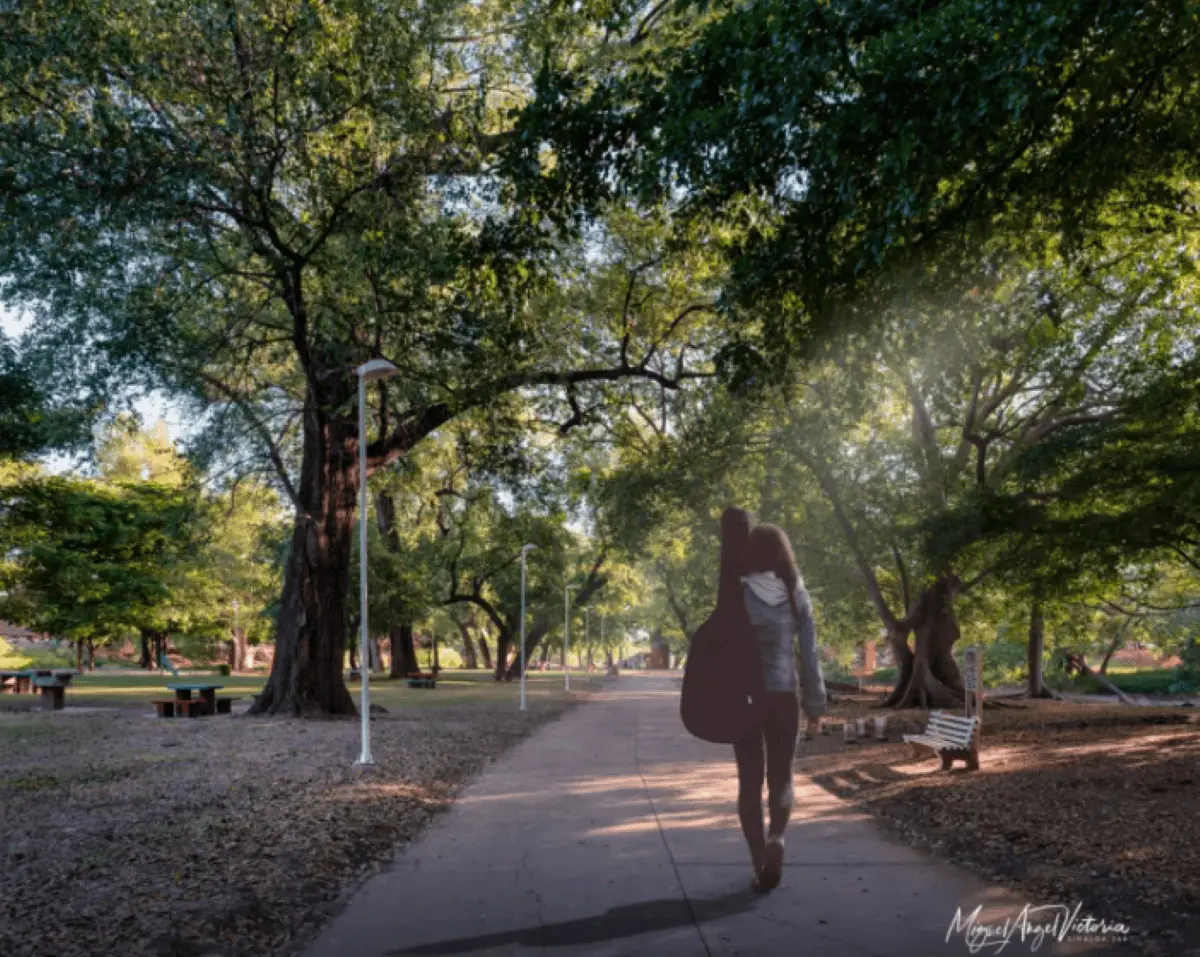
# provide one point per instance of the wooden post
(973, 685)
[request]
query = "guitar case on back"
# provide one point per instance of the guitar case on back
(723, 699)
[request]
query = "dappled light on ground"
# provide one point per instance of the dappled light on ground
(1102, 813)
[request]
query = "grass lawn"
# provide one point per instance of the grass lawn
(1156, 681)
(455, 687)
(1146, 681)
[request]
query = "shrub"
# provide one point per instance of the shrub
(223, 670)
(13, 659)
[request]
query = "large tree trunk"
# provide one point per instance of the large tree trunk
(504, 640)
(147, 660)
(933, 679)
(236, 651)
(533, 638)
(404, 654)
(306, 675)
(241, 650)
(1117, 641)
(484, 650)
(91, 646)
(469, 659)
(1036, 651)
(79, 654)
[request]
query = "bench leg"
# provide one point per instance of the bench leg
(970, 758)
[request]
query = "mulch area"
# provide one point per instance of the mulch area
(1073, 802)
(124, 834)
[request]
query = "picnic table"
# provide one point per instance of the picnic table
(52, 690)
(15, 682)
(207, 690)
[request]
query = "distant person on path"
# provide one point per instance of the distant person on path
(780, 611)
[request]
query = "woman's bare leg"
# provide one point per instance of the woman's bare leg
(750, 766)
(783, 724)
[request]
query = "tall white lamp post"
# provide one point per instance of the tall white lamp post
(525, 550)
(567, 635)
(367, 372)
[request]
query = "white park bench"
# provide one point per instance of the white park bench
(954, 737)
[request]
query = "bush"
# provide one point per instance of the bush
(12, 660)
(223, 670)
(1005, 663)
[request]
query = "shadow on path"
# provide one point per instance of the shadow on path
(627, 920)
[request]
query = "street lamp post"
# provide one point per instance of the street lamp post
(376, 369)
(567, 635)
(525, 550)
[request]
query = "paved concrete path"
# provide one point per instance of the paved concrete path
(613, 832)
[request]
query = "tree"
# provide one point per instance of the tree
(32, 419)
(89, 562)
(857, 139)
(251, 199)
(932, 405)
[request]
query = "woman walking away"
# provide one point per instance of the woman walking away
(779, 610)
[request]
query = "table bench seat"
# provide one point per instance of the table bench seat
(952, 737)
(15, 682)
(225, 705)
(191, 707)
(417, 680)
(52, 690)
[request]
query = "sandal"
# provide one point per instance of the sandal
(772, 869)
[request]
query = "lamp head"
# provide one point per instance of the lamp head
(528, 548)
(376, 369)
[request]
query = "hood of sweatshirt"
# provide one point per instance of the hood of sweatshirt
(768, 587)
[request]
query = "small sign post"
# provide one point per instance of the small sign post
(973, 681)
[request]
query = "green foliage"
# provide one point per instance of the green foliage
(85, 560)
(1187, 675)
(856, 138)
(34, 418)
(1004, 663)
(1089, 501)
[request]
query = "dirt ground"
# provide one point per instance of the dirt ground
(1073, 802)
(121, 833)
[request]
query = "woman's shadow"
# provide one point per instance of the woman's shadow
(628, 920)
